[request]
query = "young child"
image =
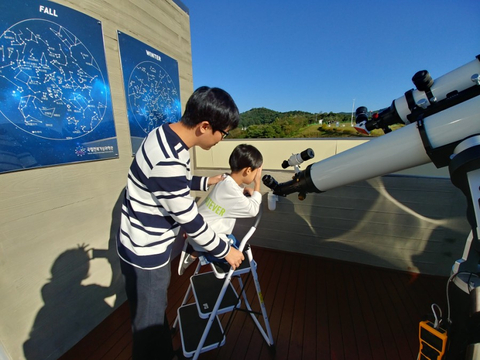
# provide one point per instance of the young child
(229, 200)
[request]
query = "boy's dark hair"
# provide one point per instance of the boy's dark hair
(213, 105)
(244, 156)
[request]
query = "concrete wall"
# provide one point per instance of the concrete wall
(53, 220)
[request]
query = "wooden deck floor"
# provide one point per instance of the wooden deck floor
(318, 309)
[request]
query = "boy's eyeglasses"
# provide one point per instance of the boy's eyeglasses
(224, 133)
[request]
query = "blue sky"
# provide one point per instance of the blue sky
(318, 56)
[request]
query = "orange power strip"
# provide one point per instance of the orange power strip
(433, 342)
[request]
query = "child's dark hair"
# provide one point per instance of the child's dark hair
(213, 105)
(244, 156)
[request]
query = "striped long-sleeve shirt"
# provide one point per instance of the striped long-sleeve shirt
(158, 202)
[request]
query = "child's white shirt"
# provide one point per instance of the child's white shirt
(226, 203)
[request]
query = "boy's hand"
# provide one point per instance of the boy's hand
(234, 258)
(215, 179)
(258, 175)
(258, 179)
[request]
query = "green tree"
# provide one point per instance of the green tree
(266, 123)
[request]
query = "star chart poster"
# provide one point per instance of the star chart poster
(55, 96)
(152, 87)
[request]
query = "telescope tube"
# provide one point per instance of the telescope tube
(398, 150)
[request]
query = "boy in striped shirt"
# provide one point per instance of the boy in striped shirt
(158, 203)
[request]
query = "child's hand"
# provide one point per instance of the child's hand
(258, 175)
(258, 179)
(215, 179)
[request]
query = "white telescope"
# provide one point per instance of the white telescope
(398, 150)
(446, 112)
(447, 132)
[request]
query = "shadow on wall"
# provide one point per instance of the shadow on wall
(287, 230)
(71, 309)
(409, 224)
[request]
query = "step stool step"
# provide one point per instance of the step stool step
(206, 289)
(191, 328)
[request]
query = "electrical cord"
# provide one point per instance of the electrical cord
(450, 280)
(437, 322)
(439, 317)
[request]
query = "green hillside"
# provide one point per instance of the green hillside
(266, 123)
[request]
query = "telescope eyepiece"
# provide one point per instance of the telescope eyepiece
(307, 154)
(269, 182)
(422, 80)
(361, 114)
(297, 159)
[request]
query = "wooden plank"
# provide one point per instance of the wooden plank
(318, 309)
(366, 308)
(323, 333)
(334, 313)
(287, 290)
(298, 317)
(359, 327)
(380, 315)
(406, 319)
(248, 331)
(108, 331)
(121, 339)
(296, 306)
(266, 276)
(394, 312)
(112, 352)
(309, 315)
(275, 295)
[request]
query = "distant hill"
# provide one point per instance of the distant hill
(269, 124)
(258, 116)
(262, 116)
